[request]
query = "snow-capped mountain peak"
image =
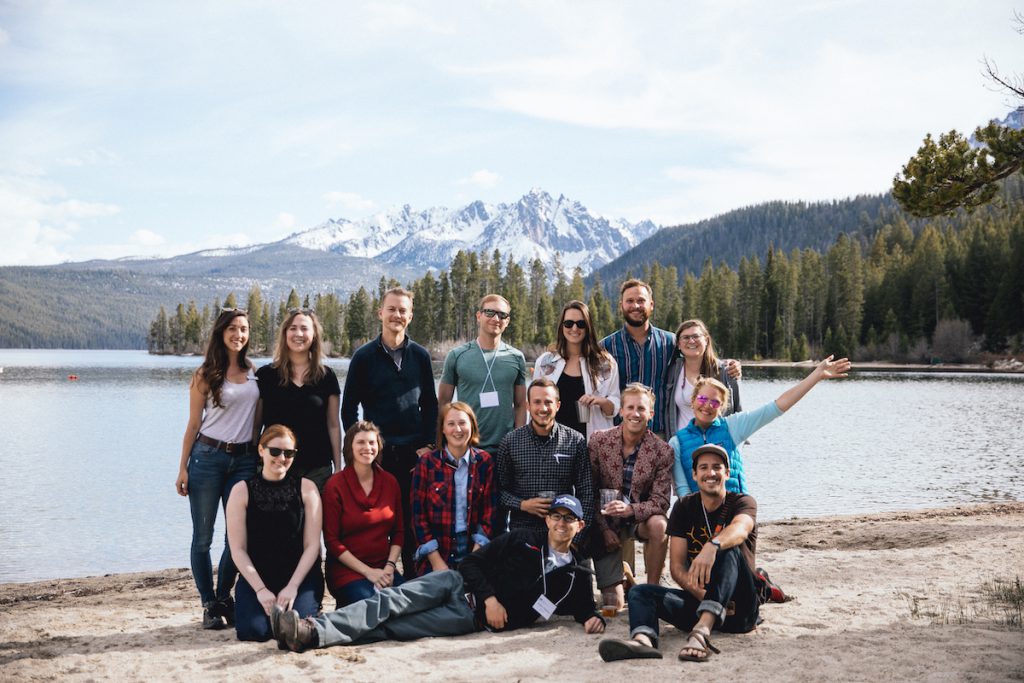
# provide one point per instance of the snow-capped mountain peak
(537, 225)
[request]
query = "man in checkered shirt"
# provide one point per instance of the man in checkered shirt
(542, 456)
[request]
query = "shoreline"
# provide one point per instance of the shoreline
(896, 595)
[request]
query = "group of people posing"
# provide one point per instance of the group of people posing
(488, 504)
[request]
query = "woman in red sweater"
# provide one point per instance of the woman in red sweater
(363, 528)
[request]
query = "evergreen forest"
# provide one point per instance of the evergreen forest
(892, 288)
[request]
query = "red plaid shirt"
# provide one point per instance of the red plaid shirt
(433, 502)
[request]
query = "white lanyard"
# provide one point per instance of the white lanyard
(706, 522)
(488, 377)
(544, 580)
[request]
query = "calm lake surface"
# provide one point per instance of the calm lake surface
(90, 464)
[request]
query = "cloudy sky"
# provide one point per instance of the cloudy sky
(157, 128)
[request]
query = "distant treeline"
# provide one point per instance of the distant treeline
(949, 292)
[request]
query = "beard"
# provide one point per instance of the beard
(633, 323)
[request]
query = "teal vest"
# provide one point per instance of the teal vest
(691, 437)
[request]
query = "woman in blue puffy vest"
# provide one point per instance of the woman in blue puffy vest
(709, 399)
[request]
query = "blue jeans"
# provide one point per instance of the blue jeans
(432, 605)
(360, 589)
(252, 623)
(211, 474)
(731, 581)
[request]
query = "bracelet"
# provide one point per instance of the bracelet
(260, 589)
(392, 563)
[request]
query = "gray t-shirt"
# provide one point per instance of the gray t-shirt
(465, 368)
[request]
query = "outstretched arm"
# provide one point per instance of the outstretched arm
(826, 369)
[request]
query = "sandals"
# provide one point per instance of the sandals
(707, 648)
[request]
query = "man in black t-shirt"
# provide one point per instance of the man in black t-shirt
(713, 540)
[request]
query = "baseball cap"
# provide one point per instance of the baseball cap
(713, 449)
(570, 503)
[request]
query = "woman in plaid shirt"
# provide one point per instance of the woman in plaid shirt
(453, 494)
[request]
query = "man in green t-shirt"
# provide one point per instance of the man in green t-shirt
(489, 375)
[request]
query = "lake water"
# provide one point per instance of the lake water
(90, 464)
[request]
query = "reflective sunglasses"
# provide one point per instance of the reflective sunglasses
(569, 324)
(713, 402)
(288, 453)
(490, 313)
(559, 517)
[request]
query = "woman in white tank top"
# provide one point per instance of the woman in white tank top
(218, 452)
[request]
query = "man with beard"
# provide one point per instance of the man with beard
(540, 460)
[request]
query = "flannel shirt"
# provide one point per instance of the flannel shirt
(647, 364)
(529, 464)
(433, 504)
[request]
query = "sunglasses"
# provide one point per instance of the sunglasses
(713, 402)
(559, 517)
(303, 311)
(569, 324)
(286, 452)
(490, 313)
(227, 309)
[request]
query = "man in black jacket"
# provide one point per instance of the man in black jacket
(516, 579)
(392, 379)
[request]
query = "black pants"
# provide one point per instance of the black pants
(399, 461)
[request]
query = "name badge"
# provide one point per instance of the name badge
(558, 456)
(489, 399)
(544, 607)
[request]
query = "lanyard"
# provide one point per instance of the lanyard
(544, 580)
(494, 357)
(706, 522)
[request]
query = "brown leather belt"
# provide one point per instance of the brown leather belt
(229, 447)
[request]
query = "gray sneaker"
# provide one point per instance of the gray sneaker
(296, 633)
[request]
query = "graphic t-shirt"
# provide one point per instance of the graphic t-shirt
(687, 521)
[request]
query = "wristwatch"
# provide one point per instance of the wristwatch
(715, 542)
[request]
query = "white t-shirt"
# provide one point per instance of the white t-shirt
(682, 396)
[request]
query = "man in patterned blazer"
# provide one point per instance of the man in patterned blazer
(635, 463)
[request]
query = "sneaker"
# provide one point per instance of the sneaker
(275, 621)
(769, 591)
(296, 633)
(225, 608)
(211, 621)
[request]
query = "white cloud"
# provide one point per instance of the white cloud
(284, 222)
(483, 179)
(146, 238)
(348, 200)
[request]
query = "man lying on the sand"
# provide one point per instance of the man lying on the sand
(713, 538)
(514, 580)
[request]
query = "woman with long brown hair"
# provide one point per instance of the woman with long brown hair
(300, 392)
(217, 453)
(583, 371)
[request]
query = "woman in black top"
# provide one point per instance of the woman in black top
(274, 526)
(298, 391)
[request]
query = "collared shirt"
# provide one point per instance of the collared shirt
(627, 472)
(397, 352)
(529, 463)
(461, 467)
(645, 364)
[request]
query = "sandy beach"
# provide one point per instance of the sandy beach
(895, 597)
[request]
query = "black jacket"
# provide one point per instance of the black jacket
(402, 403)
(511, 568)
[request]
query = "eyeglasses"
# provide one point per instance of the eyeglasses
(490, 313)
(569, 324)
(691, 337)
(559, 517)
(286, 452)
(303, 311)
(713, 402)
(227, 309)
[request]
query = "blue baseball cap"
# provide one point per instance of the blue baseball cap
(570, 503)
